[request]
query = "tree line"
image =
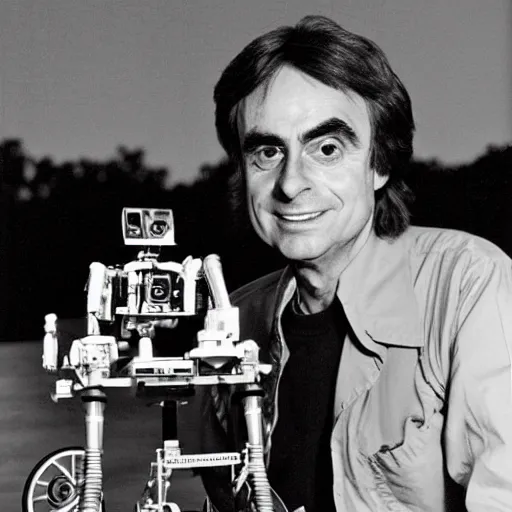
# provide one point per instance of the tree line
(55, 219)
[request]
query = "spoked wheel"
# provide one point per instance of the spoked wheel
(52, 486)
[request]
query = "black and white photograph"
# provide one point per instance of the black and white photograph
(255, 256)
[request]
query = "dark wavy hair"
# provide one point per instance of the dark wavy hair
(320, 48)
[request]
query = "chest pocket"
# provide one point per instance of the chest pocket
(401, 437)
(412, 471)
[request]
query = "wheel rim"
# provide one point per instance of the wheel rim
(55, 483)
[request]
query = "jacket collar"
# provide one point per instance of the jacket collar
(376, 290)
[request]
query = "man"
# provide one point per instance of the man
(391, 345)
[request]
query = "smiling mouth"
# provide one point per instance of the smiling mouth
(299, 217)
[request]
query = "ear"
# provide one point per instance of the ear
(379, 181)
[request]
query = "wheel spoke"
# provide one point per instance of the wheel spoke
(43, 483)
(43, 497)
(64, 471)
(73, 466)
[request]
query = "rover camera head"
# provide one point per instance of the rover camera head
(148, 226)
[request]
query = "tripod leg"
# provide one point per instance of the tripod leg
(170, 441)
(158, 484)
(94, 404)
(257, 470)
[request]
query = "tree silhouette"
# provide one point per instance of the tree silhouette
(55, 219)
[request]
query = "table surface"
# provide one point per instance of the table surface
(32, 425)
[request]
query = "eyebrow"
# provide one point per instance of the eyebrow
(332, 125)
(255, 139)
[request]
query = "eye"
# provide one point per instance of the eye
(326, 151)
(267, 157)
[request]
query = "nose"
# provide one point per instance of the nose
(291, 181)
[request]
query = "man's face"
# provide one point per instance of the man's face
(306, 150)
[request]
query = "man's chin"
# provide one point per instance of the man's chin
(298, 252)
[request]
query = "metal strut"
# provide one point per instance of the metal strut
(94, 401)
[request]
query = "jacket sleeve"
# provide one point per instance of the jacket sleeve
(478, 435)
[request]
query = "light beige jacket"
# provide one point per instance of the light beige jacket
(424, 388)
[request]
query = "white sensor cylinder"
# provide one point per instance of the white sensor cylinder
(50, 343)
(212, 268)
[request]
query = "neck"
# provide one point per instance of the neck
(317, 280)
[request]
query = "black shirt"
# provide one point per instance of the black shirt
(300, 468)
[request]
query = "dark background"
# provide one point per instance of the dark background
(57, 219)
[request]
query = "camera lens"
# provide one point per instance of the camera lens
(158, 228)
(134, 225)
(160, 289)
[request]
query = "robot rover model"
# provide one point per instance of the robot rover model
(135, 298)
